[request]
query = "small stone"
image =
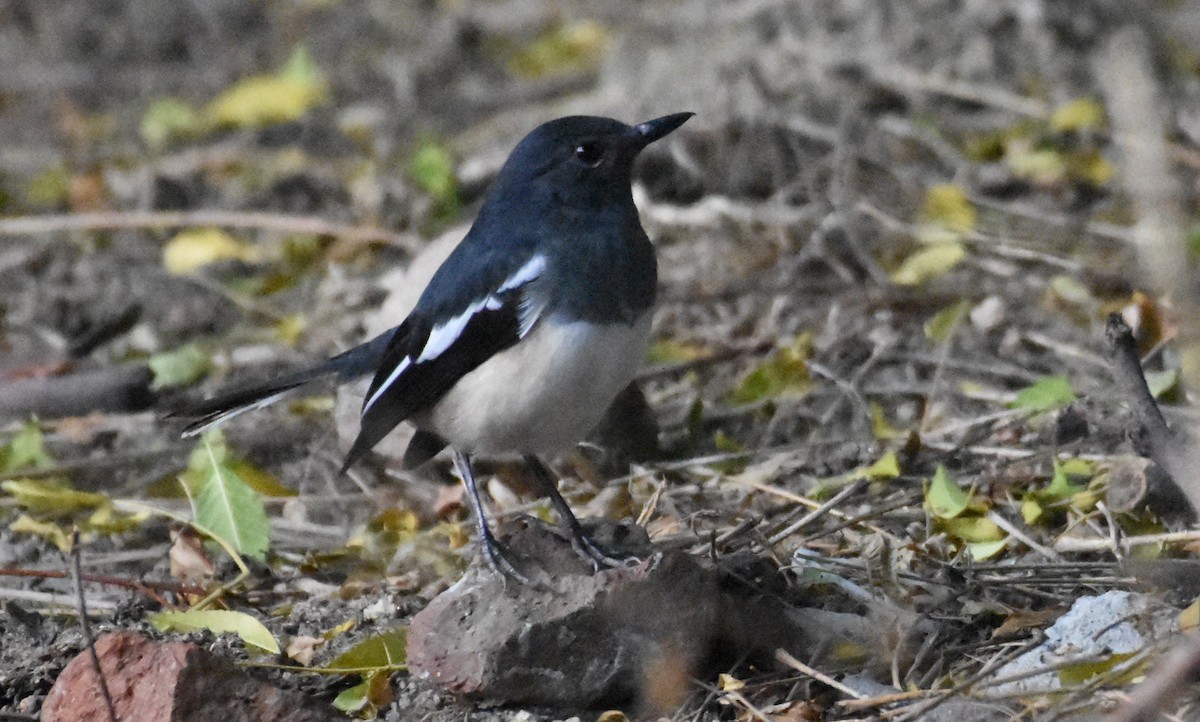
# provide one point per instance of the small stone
(176, 681)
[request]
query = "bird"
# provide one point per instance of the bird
(526, 332)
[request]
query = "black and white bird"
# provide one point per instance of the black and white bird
(527, 331)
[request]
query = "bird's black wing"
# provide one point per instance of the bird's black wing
(426, 359)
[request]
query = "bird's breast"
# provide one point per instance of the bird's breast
(543, 394)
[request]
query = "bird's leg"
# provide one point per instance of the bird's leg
(584, 544)
(495, 551)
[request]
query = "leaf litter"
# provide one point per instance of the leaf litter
(929, 479)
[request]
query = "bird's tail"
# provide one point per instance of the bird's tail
(345, 367)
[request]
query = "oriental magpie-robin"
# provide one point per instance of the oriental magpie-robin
(528, 330)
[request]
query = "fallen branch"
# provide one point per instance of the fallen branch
(120, 220)
(1173, 454)
(121, 388)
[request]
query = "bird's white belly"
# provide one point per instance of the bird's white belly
(543, 394)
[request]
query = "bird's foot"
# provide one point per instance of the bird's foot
(498, 559)
(587, 548)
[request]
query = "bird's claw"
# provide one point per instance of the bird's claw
(497, 556)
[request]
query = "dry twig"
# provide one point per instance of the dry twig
(85, 625)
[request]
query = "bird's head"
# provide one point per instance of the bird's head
(580, 159)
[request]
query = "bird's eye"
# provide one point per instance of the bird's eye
(589, 154)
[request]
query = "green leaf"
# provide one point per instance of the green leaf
(366, 698)
(217, 621)
(944, 498)
(353, 699)
(938, 328)
(51, 496)
(1160, 382)
(383, 651)
(223, 503)
(170, 119)
(1060, 487)
(180, 367)
(929, 263)
(432, 167)
(51, 188)
(27, 450)
(783, 375)
(1046, 394)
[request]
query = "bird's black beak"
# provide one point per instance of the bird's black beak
(652, 130)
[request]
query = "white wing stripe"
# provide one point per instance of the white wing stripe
(445, 334)
(531, 270)
(391, 379)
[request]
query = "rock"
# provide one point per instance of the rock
(176, 681)
(1091, 631)
(631, 636)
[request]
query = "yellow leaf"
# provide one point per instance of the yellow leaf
(49, 496)
(49, 531)
(197, 247)
(946, 208)
(1189, 618)
(929, 263)
(218, 621)
(290, 328)
(1081, 671)
(1042, 166)
(1092, 167)
(263, 100)
(972, 529)
(669, 351)
(1079, 114)
(982, 551)
(1031, 509)
(886, 467)
(729, 683)
(564, 49)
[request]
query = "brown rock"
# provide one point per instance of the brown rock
(175, 681)
(575, 638)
